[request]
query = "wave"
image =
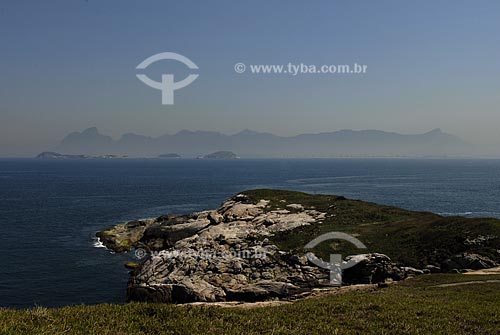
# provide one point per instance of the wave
(97, 243)
(482, 214)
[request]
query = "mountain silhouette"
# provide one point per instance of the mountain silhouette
(252, 144)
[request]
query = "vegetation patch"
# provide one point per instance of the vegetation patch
(415, 306)
(411, 238)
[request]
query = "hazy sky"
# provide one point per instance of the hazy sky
(67, 65)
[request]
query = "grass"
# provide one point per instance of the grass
(413, 307)
(412, 238)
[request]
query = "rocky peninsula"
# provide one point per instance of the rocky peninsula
(252, 248)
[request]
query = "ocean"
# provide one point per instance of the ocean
(50, 210)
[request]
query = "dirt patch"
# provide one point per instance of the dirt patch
(469, 283)
(314, 294)
(492, 271)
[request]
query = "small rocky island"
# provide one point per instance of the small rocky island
(169, 156)
(221, 155)
(57, 156)
(251, 248)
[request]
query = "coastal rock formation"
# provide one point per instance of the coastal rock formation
(251, 248)
(223, 255)
(124, 236)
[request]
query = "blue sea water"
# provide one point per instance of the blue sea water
(50, 210)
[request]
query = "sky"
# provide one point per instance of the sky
(67, 65)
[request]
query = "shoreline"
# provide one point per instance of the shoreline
(269, 220)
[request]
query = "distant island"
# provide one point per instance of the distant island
(56, 155)
(221, 155)
(251, 144)
(169, 156)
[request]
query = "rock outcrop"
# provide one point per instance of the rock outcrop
(226, 255)
(223, 255)
(467, 261)
(124, 236)
(255, 247)
(371, 268)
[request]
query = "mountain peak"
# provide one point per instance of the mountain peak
(90, 137)
(90, 131)
(435, 131)
(184, 132)
(247, 132)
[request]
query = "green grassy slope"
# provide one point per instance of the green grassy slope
(413, 307)
(412, 238)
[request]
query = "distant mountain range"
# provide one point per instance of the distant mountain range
(251, 144)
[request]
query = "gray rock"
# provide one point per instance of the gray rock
(125, 236)
(215, 218)
(433, 268)
(241, 265)
(267, 275)
(298, 207)
(164, 235)
(409, 271)
(371, 269)
(467, 261)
